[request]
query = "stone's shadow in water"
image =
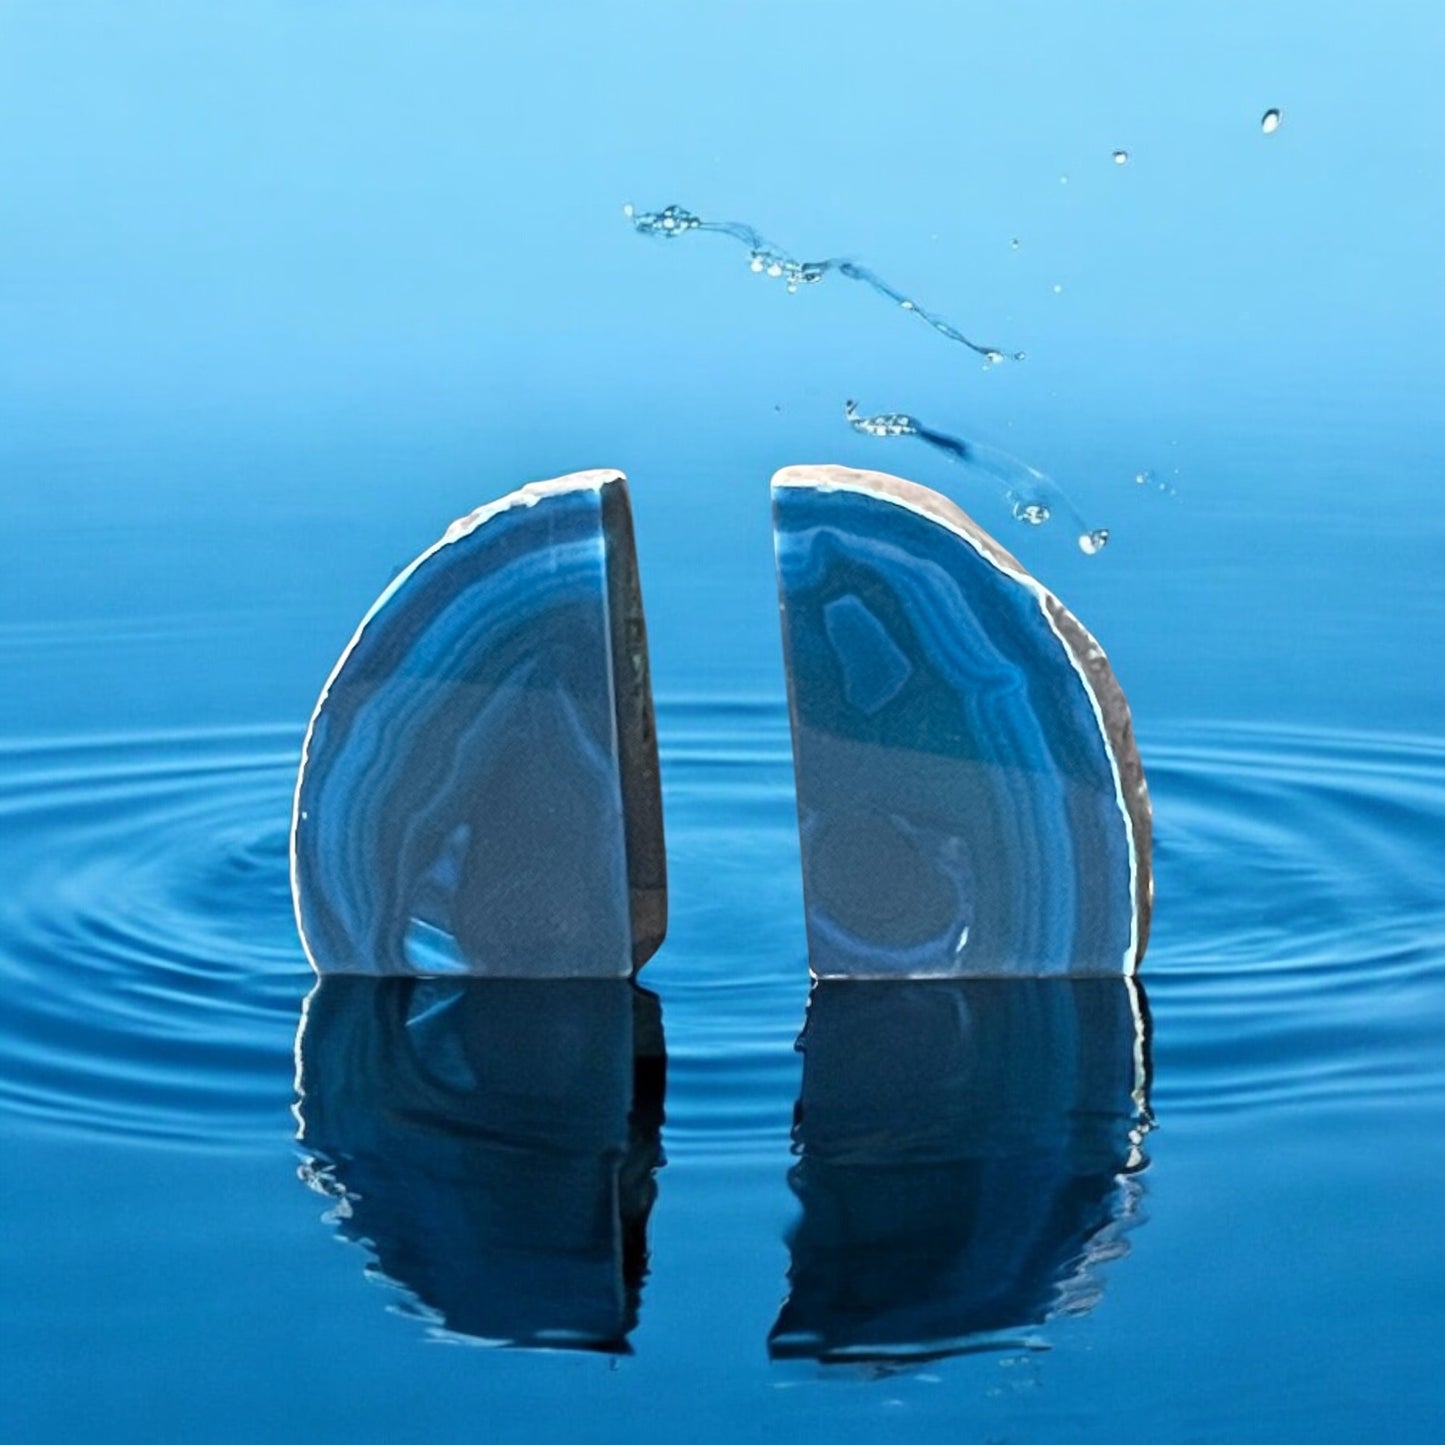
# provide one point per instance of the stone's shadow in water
(968, 1158)
(494, 1144)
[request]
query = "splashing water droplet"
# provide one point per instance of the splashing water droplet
(1092, 543)
(1033, 496)
(885, 424)
(1143, 478)
(1269, 121)
(1121, 158)
(670, 221)
(767, 259)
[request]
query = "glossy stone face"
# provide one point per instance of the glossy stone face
(970, 800)
(965, 1152)
(479, 787)
(492, 1143)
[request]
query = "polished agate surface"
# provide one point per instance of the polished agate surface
(966, 1153)
(492, 1144)
(970, 799)
(479, 788)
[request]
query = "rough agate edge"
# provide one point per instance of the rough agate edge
(479, 790)
(964, 1147)
(970, 798)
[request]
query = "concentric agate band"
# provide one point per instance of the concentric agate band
(970, 798)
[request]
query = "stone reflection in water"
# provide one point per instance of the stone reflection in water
(494, 705)
(493, 1143)
(969, 1153)
(970, 799)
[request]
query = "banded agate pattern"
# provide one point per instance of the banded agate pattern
(479, 786)
(970, 799)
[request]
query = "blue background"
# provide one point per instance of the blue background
(286, 287)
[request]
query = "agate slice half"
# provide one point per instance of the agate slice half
(479, 789)
(970, 799)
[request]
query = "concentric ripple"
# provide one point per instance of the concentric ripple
(147, 946)
(153, 979)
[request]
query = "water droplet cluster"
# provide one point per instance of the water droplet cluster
(793, 273)
(668, 222)
(885, 424)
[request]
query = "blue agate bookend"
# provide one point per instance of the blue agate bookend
(967, 1153)
(970, 799)
(492, 1144)
(479, 790)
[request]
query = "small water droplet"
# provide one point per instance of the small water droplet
(1063, 180)
(1034, 513)
(755, 264)
(1014, 244)
(1269, 121)
(627, 210)
(774, 269)
(993, 357)
(1143, 478)
(1021, 356)
(1058, 290)
(1092, 543)
(906, 305)
(1121, 158)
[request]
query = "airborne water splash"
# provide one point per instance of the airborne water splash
(766, 259)
(1034, 496)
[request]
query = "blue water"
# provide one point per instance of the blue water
(285, 289)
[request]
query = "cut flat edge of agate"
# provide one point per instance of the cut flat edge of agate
(631, 688)
(636, 726)
(1110, 708)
